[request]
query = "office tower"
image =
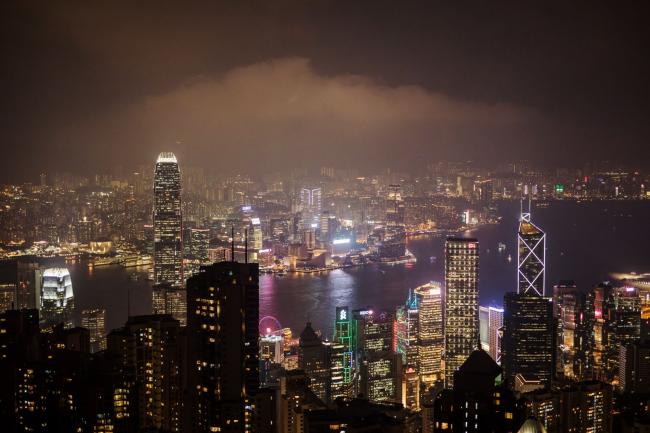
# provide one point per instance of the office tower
(255, 235)
(461, 303)
(313, 359)
(22, 275)
(394, 206)
(170, 300)
(381, 377)
(380, 368)
(531, 257)
(478, 402)
(375, 331)
(406, 330)
(495, 325)
(149, 349)
(430, 336)
(634, 367)
(587, 407)
(621, 316)
(410, 388)
(94, 320)
(311, 205)
(167, 222)
(7, 297)
(345, 335)
(222, 328)
(199, 245)
(544, 406)
(340, 371)
(574, 314)
(527, 353)
(484, 322)
(56, 297)
(130, 219)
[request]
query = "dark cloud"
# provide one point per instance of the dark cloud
(89, 85)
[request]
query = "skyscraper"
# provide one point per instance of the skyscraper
(495, 323)
(56, 297)
(529, 330)
(461, 303)
(531, 257)
(313, 359)
(167, 222)
(528, 341)
(94, 319)
(431, 340)
(223, 315)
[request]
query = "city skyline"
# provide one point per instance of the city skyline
(324, 217)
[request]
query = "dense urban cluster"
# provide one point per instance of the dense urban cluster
(554, 357)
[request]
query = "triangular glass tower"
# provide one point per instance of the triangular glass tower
(531, 256)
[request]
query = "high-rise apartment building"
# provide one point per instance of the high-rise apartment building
(223, 316)
(167, 222)
(461, 303)
(149, 349)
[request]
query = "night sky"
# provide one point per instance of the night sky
(255, 86)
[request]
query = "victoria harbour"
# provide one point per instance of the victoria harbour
(577, 235)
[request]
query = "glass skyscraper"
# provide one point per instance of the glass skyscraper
(167, 222)
(461, 303)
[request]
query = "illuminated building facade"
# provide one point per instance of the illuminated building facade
(574, 314)
(621, 326)
(461, 303)
(170, 300)
(199, 245)
(223, 335)
(345, 334)
(430, 335)
(495, 323)
(167, 222)
(94, 320)
(149, 348)
(311, 205)
(587, 407)
(56, 297)
(527, 352)
(406, 330)
(380, 378)
(531, 257)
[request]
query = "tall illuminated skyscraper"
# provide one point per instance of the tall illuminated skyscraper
(461, 303)
(531, 257)
(528, 327)
(167, 222)
(56, 297)
(431, 340)
(311, 205)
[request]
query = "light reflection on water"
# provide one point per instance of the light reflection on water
(585, 243)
